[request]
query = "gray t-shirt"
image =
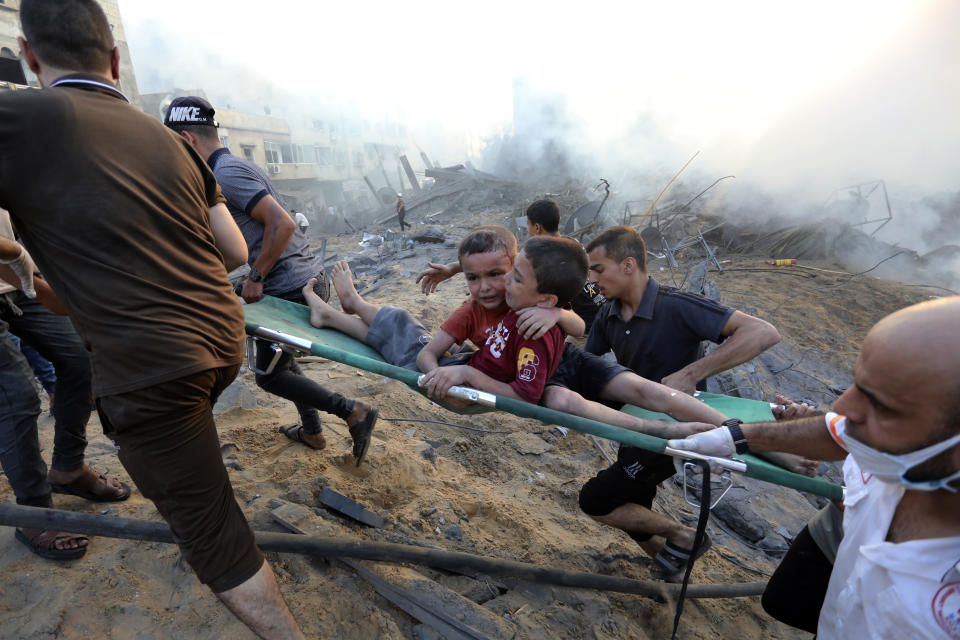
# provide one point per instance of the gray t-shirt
(244, 184)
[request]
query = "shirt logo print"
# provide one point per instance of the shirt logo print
(527, 363)
(946, 609)
(498, 341)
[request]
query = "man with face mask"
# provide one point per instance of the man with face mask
(897, 571)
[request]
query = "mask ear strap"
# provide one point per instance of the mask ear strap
(934, 485)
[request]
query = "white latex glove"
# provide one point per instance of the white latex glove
(23, 266)
(718, 442)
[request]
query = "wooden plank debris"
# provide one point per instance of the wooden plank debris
(450, 614)
(339, 502)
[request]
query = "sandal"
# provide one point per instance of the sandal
(87, 485)
(295, 433)
(360, 432)
(44, 543)
(672, 560)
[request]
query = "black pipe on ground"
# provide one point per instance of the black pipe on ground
(456, 561)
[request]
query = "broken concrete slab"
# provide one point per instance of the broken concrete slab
(238, 394)
(428, 238)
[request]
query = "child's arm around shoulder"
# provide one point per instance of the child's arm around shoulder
(534, 322)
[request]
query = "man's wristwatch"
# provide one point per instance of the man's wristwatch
(739, 440)
(255, 276)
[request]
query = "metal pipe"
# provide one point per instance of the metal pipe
(94, 525)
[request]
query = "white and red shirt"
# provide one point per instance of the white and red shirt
(881, 589)
(526, 365)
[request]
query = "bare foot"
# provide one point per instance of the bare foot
(343, 283)
(792, 462)
(319, 309)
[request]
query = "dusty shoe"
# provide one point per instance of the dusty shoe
(363, 418)
(53, 545)
(296, 433)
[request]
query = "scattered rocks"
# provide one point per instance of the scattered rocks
(453, 532)
(238, 394)
(528, 443)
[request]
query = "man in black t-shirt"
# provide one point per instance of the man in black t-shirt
(656, 331)
(584, 384)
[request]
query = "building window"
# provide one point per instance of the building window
(272, 150)
(277, 152)
(302, 153)
(225, 141)
(324, 156)
(10, 68)
(247, 151)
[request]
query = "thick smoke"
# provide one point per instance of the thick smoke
(798, 106)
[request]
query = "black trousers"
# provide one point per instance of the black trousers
(287, 381)
(795, 593)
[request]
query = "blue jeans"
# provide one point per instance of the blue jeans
(54, 338)
(42, 368)
(19, 444)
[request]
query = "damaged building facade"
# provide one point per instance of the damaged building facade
(14, 73)
(326, 165)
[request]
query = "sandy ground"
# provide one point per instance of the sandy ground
(426, 479)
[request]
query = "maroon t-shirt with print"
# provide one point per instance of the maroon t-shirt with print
(525, 365)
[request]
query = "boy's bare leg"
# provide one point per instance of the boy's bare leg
(790, 461)
(350, 300)
(322, 315)
(647, 394)
(638, 391)
(259, 605)
(567, 401)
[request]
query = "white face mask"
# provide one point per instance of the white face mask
(888, 467)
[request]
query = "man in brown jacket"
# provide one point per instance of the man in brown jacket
(128, 226)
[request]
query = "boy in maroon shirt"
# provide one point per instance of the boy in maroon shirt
(546, 274)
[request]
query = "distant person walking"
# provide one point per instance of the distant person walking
(401, 211)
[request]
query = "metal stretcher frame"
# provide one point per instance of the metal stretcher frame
(287, 323)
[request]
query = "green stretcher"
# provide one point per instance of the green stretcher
(288, 323)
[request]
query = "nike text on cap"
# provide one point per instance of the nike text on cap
(190, 111)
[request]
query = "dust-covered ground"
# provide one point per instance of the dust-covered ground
(510, 494)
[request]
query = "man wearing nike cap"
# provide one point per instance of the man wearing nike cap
(281, 265)
(897, 571)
